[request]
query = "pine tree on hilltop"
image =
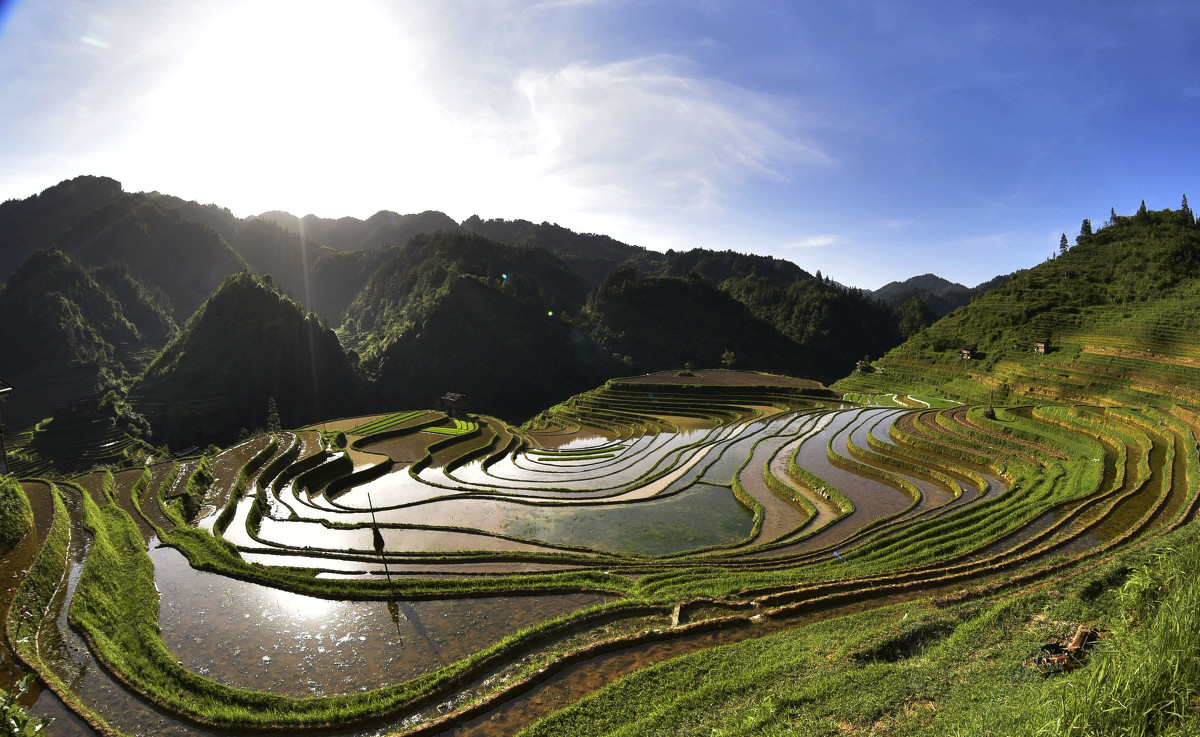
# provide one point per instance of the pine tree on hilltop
(1062, 244)
(1187, 212)
(1085, 232)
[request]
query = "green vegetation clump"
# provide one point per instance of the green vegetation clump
(15, 721)
(16, 516)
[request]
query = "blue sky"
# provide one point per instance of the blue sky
(870, 140)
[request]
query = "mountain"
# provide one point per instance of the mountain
(69, 331)
(931, 283)
(832, 326)
(716, 267)
(248, 343)
(941, 296)
(1119, 310)
(460, 312)
(662, 322)
(96, 223)
(408, 276)
(36, 222)
(490, 339)
(162, 248)
(591, 255)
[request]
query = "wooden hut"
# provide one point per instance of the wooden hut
(1041, 346)
(454, 405)
(967, 352)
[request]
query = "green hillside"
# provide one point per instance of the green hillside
(68, 332)
(247, 344)
(1119, 309)
(658, 323)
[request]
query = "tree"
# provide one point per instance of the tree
(1112, 216)
(728, 360)
(1187, 212)
(1142, 210)
(273, 423)
(1085, 232)
(1062, 244)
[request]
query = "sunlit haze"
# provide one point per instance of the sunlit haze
(872, 141)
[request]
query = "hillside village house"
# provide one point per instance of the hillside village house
(1041, 346)
(967, 352)
(454, 405)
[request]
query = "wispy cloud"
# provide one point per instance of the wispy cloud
(646, 132)
(896, 223)
(815, 241)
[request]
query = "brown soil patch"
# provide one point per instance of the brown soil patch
(716, 377)
(404, 449)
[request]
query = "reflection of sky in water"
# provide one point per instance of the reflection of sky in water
(648, 454)
(701, 516)
(582, 442)
(564, 518)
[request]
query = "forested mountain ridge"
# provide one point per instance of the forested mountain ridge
(515, 313)
(1118, 309)
(351, 234)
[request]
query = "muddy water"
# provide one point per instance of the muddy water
(259, 638)
(365, 644)
(1131, 509)
(67, 656)
(872, 499)
(13, 567)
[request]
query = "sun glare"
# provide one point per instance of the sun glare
(291, 98)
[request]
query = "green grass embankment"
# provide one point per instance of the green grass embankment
(16, 516)
(915, 669)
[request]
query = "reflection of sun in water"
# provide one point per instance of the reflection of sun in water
(298, 608)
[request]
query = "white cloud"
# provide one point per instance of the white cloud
(645, 134)
(815, 241)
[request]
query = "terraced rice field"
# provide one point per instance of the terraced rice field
(421, 578)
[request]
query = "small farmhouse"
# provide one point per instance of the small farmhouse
(1041, 346)
(967, 352)
(454, 405)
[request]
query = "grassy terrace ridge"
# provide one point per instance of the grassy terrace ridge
(840, 613)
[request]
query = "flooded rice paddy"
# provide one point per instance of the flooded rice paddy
(623, 502)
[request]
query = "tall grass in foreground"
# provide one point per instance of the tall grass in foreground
(1146, 679)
